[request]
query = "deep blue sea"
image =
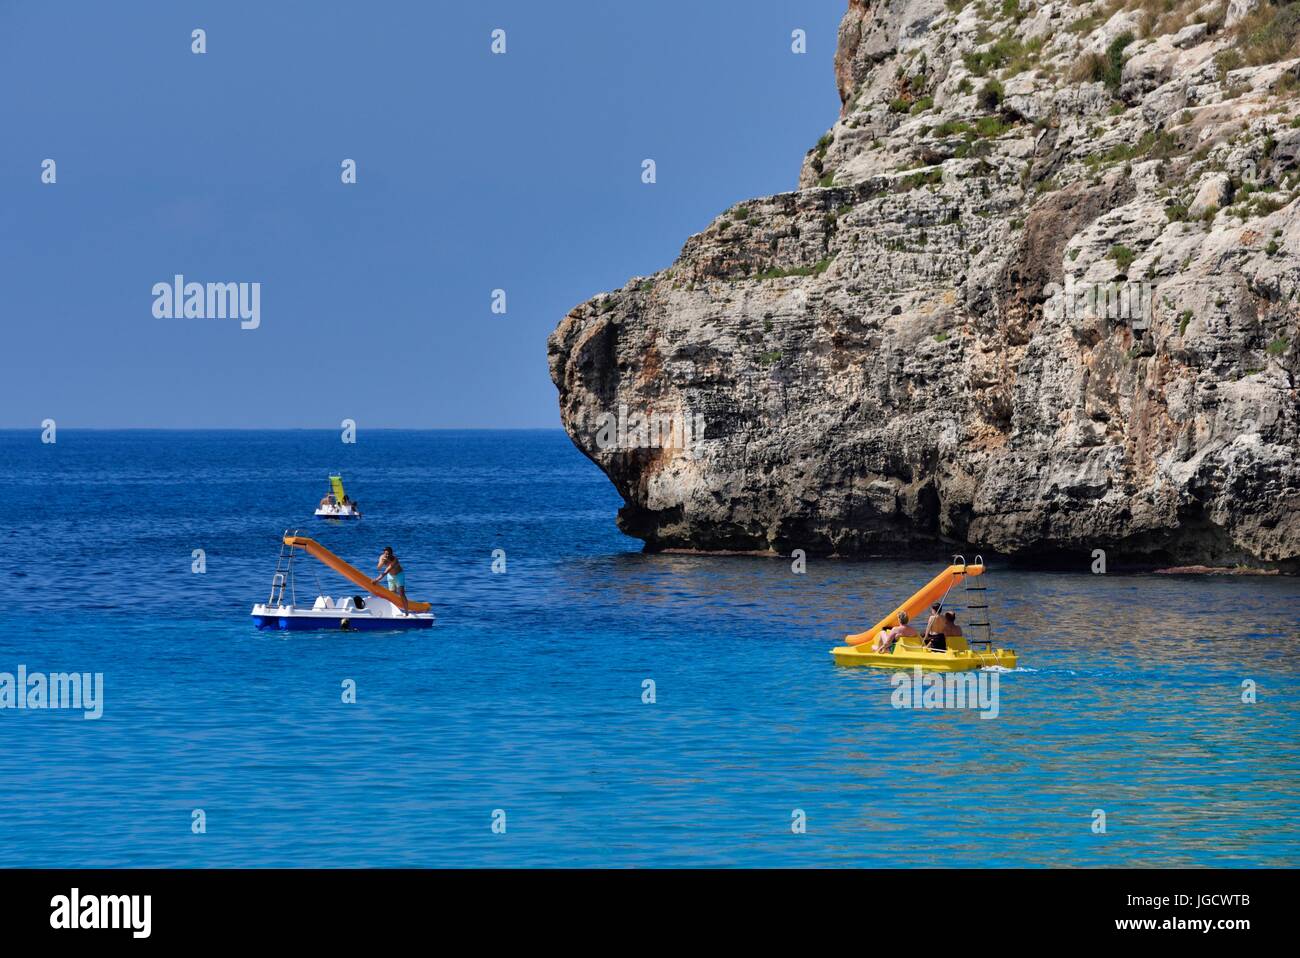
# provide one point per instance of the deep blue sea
(527, 696)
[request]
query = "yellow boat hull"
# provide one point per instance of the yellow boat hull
(908, 656)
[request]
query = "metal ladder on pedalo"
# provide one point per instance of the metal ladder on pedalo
(977, 605)
(283, 574)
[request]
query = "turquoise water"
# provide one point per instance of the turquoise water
(527, 695)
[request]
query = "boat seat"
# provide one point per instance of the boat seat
(323, 602)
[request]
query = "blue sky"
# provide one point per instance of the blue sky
(475, 172)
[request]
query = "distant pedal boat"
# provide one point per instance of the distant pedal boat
(337, 505)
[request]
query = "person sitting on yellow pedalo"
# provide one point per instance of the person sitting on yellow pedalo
(886, 639)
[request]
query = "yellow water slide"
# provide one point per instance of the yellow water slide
(932, 592)
(336, 483)
(319, 552)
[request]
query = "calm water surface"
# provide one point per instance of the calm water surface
(527, 695)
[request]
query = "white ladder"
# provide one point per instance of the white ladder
(283, 575)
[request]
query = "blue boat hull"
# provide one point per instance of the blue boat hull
(317, 623)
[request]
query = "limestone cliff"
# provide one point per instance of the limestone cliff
(1035, 295)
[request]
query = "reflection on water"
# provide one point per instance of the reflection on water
(527, 696)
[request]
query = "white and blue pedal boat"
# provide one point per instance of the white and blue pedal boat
(381, 611)
(337, 504)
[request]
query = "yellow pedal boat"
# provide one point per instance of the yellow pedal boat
(910, 651)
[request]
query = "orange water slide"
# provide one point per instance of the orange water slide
(933, 591)
(318, 551)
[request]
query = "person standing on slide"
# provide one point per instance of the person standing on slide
(390, 567)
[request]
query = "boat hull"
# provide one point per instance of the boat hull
(293, 623)
(378, 616)
(965, 660)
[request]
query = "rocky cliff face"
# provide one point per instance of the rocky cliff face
(1036, 295)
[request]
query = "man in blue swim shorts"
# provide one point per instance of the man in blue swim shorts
(390, 567)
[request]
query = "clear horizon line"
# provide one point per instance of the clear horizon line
(37, 429)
